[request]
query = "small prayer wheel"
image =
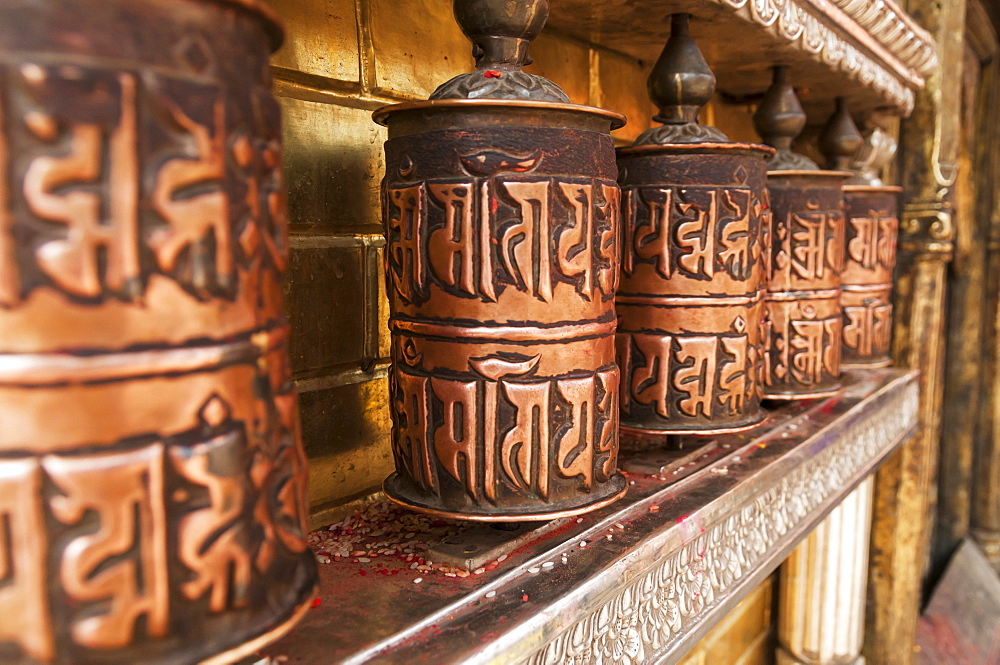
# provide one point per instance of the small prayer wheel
(152, 483)
(501, 212)
(803, 326)
(872, 231)
(691, 300)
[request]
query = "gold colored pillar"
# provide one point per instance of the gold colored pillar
(822, 596)
(905, 487)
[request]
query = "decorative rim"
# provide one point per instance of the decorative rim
(733, 429)
(256, 644)
(875, 364)
(753, 149)
(820, 173)
(513, 517)
(273, 25)
(787, 397)
(888, 189)
(381, 115)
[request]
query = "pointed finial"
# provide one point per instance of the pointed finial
(779, 119)
(840, 138)
(680, 84)
(500, 32)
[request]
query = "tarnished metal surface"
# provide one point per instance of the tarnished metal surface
(804, 321)
(152, 485)
(871, 233)
(639, 581)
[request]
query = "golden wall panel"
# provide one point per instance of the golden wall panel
(621, 84)
(564, 61)
(324, 298)
(333, 166)
(417, 46)
(735, 121)
(322, 38)
(346, 434)
(743, 637)
(382, 325)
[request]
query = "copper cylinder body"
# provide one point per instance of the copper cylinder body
(872, 232)
(152, 484)
(691, 300)
(803, 326)
(502, 265)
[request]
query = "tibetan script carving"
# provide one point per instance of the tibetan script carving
(495, 428)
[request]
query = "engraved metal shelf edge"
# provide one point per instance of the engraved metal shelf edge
(641, 580)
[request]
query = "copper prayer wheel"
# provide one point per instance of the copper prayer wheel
(152, 484)
(691, 300)
(871, 211)
(872, 232)
(803, 326)
(501, 214)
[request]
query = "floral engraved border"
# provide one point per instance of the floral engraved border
(652, 614)
(793, 22)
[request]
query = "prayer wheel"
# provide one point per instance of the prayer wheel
(152, 484)
(696, 225)
(501, 213)
(872, 229)
(803, 327)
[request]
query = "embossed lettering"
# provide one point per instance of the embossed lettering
(122, 565)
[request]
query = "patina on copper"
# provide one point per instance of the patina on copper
(872, 228)
(152, 485)
(501, 217)
(696, 224)
(803, 325)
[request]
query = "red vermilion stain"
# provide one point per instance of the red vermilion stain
(492, 74)
(317, 602)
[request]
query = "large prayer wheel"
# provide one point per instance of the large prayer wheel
(152, 484)
(501, 213)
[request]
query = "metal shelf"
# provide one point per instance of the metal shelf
(873, 53)
(686, 544)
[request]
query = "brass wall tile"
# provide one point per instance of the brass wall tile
(321, 38)
(324, 298)
(623, 89)
(382, 325)
(736, 122)
(333, 166)
(346, 435)
(564, 61)
(417, 46)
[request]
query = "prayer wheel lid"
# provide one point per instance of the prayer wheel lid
(273, 25)
(779, 120)
(501, 32)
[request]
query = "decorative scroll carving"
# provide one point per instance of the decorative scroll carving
(651, 613)
(805, 26)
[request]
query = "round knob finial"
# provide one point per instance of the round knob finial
(500, 32)
(840, 138)
(779, 120)
(680, 84)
